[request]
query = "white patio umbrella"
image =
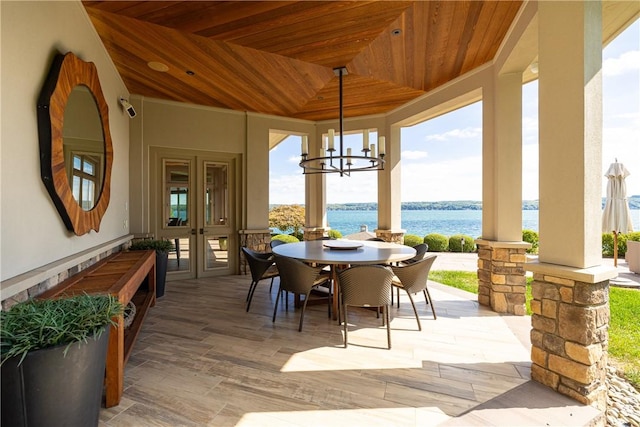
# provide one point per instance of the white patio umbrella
(616, 217)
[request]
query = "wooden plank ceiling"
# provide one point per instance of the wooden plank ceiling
(278, 57)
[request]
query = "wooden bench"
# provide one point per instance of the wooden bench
(123, 275)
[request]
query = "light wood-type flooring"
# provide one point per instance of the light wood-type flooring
(201, 360)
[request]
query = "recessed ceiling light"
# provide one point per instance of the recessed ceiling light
(191, 73)
(158, 66)
(396, 32)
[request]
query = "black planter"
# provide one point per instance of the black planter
(162, 259)
(50, 388)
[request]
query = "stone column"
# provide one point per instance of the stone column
(257, 240)
(571, 311)
(392, 236)
(570, 336)
(315, 233)
(501, 276)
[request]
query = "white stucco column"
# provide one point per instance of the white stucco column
(570, 289)
(315, 198)
(570, 104)
(389, 188)
(501, 251)
(257, 173)
(502, 159)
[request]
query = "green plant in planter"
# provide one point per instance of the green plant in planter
(53, 356)
(157, 245)
(162, 248)
(39, 324)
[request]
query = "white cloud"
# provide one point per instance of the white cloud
(294, 159)
(530, 130)
(530, 172)
(622, 143)
(414, 155)
(286, 189)
(465, 133)
(360, 187)
(627, 61)
(455, 179)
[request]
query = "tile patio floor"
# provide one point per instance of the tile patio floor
(201, 360)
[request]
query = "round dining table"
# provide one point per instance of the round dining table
(345, 253)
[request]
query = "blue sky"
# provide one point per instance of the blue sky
(443, 156)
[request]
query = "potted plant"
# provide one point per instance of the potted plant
(162, 248)
(53, 354)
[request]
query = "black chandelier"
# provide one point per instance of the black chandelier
(332, 160)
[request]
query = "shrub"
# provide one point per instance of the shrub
(531, 236)
(607, 244)
(455, 244)
(334, 234)
(635, 236)
(437, 242)
(412, 240)
(287, 238)
(147, 244)
(46, 323)
(288, 218)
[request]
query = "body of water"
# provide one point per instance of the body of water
(423, 222)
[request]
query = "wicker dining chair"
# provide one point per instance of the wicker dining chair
(275, 243)
(413, 279)
(262, 266)
(366, 286)
(421, 252)
(298, 278)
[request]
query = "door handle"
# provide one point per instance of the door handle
(202, 231)
(193, 231)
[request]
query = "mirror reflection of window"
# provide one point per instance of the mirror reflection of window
(83, 147)
(85, 179)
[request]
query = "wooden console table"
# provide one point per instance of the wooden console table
(122, 275)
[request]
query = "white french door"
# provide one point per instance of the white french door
(194, 210)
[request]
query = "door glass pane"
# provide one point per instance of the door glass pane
(215, 197)
(177, 187)
(179, 257)
(176, 213)
(216, 252)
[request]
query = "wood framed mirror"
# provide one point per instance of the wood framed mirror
(76, 151)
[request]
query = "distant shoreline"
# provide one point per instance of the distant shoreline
(453, 205)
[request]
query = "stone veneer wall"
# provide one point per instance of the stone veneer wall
(501, 276)
(257, 240)
(315, 233)
(391, 236)
(570, 337)
(52, 281)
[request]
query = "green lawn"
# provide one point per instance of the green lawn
(624, 332)
(624, 329)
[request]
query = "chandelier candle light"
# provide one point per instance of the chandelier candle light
(331, 162)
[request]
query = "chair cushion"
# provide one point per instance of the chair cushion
(396, 282)
(271, 272)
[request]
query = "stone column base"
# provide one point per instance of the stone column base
(315, 233)
(257, 240)
(569, 339)
(501, 277)
(392, 236)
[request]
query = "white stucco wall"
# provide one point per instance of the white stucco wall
(168, 124)
(32, 232)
